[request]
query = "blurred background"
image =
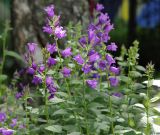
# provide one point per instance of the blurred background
(133, 19)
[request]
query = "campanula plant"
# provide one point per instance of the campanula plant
(79, 87)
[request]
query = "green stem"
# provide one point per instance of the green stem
(110, 106)
(4, 53)
(46, 105)
(111, 114)
(147, 109)
(85, 107)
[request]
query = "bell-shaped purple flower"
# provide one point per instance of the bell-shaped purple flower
(13, 123)
(114, 70)
(51, 62)
(51, 48)
(103, 18)
(59, 32)
(110, 59)
(7, 132)
(113, 81)
(112, 47)
(94, 57)
(92, 83)
(67, 52)
(30, 71)
(99, 7)
(78, 58)
(47, 29)
(19, 95)
(31, 47)
(66, 72)
(86, 68)
(102, 64)
(49, 81)
(50, 10)
(41, 68)
(2, 117)
(83, 41)
(36, 80)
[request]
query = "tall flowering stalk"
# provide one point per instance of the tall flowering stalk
(149, 74)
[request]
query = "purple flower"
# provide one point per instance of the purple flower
(30, 71)
(18, 95)
(7, 132)
(117, 94)
(86, 68)
(91, 35)
(41, 68)
(102, 64)
(91, 52)
(108, 27)
(1, 129)
(2, 117)
(47, 29)
(51, 96)
(103, 18)
(79, 59)
(92, 83)
(110, 59)
(50, 10)
(51, 61)
(66, 72)
(99, 7)
(113, 81)
(83, 41)
(14, 123)
(51, 48)
(22, 126)
(31, 47)
(95, 75)
(112, 47)
(114, 70)
(105, 37)
(34, 65)
(36, 80)
(94, 57)
(49, 81)
(67, 52)
(52, 90)
(59, 32)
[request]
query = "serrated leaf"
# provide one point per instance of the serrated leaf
(54, 128)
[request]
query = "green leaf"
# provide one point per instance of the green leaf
(60, 112)
(157, 121)
(135, 74)
(140, 68)
(56, 100)
(3, 78)
(74, 133)
(13, 54)
(55, 128)
(156, 98)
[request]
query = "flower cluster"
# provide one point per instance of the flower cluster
(52, 27)
(13, 123)
(39, 70)
(95, 45)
